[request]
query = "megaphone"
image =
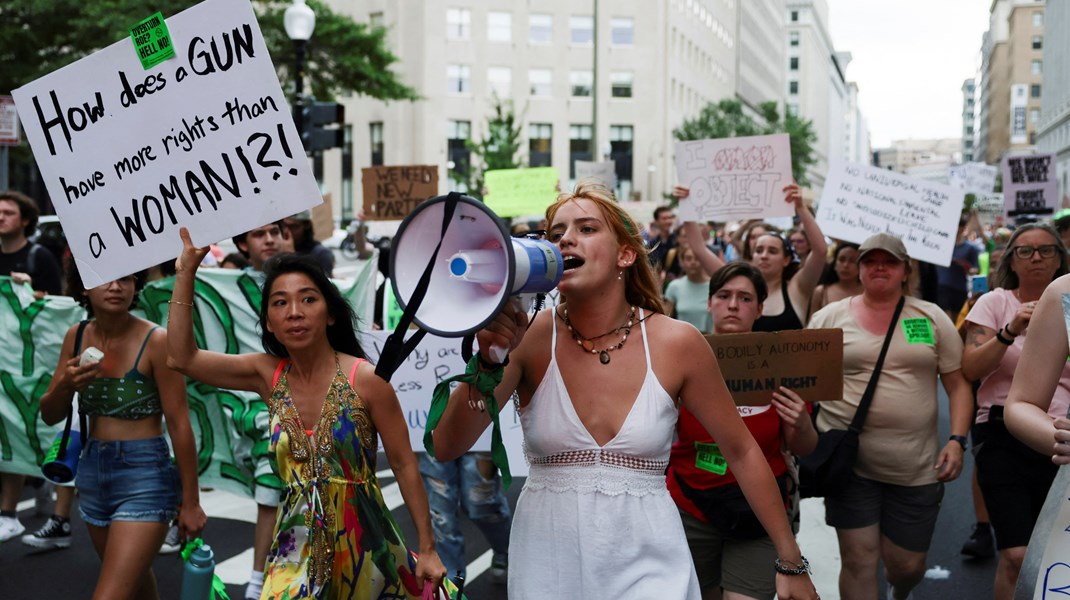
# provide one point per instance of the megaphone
(454, 252)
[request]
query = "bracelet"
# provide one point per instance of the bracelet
(1003, 340)
(1007, 328)
(485, 381)
(802, 569)
(189, 304)
(961, 439)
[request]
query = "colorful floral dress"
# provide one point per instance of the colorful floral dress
(334, 535)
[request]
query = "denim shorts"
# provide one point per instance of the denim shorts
(127, 480)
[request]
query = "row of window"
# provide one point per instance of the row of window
(540, 82)
(540, 28)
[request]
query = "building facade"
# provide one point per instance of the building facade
(1053, 130)
(968, 92)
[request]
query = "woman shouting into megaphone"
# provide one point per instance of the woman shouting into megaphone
(599, 380)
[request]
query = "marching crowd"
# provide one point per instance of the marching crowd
(646, 480)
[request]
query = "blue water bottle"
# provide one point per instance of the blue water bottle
(197, 576)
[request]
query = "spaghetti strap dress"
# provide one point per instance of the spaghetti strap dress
(334, 535)
(597, 522)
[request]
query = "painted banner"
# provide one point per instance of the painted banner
(203, 140)
(735, 178)
(520, 192)
(754, 365)
(391, 193)
(1029, 185)
(605, 171)
(859, 201)
(974, 177)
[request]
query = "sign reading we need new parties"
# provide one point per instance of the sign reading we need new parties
(203, 140)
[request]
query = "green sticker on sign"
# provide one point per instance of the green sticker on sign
(152, 41)
(918, 331)
(708, 457)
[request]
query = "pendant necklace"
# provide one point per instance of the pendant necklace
(588, 343)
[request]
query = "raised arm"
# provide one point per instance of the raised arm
(67, 379)
(250, 372)
(710, 261)
(803, 283)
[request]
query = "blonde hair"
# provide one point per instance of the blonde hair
(641, 286)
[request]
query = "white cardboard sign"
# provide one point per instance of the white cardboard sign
(735, 178)
(1029, 185)
(989, 207)
(606, 172)
(204, 140)
(974, 177)
(859, 201)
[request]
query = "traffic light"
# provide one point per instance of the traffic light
(323, 123)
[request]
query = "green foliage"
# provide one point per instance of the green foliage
(40, 36)
(727, 119)
(499, 148)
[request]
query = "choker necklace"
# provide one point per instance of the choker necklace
(588, 343)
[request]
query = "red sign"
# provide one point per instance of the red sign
(9, 122)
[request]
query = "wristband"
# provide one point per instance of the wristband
(1003, 340)
(961, 439)
(1007, 329)
(802, 569)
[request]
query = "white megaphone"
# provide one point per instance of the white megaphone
(454, 262)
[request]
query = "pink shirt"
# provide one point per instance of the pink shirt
(994, 310)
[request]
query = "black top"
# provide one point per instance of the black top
(785, 321)
(42, 267)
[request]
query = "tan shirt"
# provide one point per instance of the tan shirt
(898, 444)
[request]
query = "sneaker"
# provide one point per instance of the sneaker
(499, 567)
(171, 543)
(10, 528)
(980, 544)
(53, 534)
(42, 499)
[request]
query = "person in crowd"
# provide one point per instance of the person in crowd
(1013, 478)
(234, 260)
(730, 549)
(301, 231)
(839, 279)
(952, 292)
(685, 298)
(129, 488)
(790, 287)
(470, 484)
(33, 264)
(801, 244)
(595, 519)
(1061, 221)
(663, 243)
(261, 243)
(334, 536)
(887, 511)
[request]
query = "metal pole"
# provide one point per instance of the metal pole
(596, 151)
(299, 88)
(4, 156)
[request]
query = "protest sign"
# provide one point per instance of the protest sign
(606, 172)
(754, 365)
(1045, 572)
(974, 177)
(989, 207)
(519, 192)
(390, 193)
(9, 122)
(1029, 185)
(203, 140)
(859, 201)
(323, 219)
(735, 178)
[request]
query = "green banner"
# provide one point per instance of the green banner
(230, 427)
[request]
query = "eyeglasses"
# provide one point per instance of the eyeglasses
(1046, 251)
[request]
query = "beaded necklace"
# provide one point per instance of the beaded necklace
(588, 343)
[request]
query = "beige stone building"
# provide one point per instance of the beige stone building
(1053, 131)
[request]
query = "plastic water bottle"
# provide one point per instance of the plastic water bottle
(197, 576)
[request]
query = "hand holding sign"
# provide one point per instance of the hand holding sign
(191, 256)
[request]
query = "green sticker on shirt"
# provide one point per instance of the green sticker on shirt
(918, 331)
(152, 41)
(708, 457)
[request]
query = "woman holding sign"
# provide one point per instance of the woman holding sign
(887, 511)
(598, 381)
(334, 537)
(790, 286)
(130, 490)
(730, 549)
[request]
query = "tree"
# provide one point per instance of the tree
(499, 149)
(727, 119)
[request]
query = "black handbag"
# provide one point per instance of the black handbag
(827, 468)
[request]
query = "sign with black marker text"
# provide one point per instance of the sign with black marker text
(735, 178)
(1029, 185)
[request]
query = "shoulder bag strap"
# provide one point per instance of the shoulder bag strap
(871, 388)
(70, 410)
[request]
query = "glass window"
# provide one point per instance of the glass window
(375, 135)
(620, 151)
(500, 81)
(540, 29)
(581, 30)
(623, 33)
(581, 83)
(540, 82)
(1038, 42)
(622, 84)
(793, 38)
(458, 79)
(1035, 67)
(375, 20)
(1038, 19)
(458, 23)
(793, 87)
(457, 133)
(794, 16)
(540, 142)
(579, 146)
(1034, 90)
(1034, 115)
(793, 63)
(499, 27)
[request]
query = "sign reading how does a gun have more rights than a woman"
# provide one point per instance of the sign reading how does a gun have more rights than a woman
(203, 140)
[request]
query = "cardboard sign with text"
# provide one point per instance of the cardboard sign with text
(606, 172)
(735, 178)
(1029, 185)
(859, 201)
(391, 193)
(974, 177)
(519, 192)
(204, 140)
(323, 219)
(989, 207)
(754, 365)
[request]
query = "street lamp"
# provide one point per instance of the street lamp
(299, 21)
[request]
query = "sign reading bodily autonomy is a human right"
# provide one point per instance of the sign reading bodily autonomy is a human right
(203, 140)
(859, 201)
